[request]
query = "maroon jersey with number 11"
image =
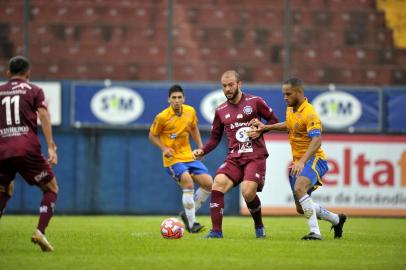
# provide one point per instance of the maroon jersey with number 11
(19, 101)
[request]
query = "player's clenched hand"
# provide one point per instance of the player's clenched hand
(198, 154)
(254, 133)
(254, 122)
(52, 155)
(168, 152)
(296, 168)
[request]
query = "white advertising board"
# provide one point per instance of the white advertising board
(367, 176)
(53, 98)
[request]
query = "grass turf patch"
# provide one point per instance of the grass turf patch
(134, 242)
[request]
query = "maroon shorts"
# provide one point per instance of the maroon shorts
(34, 168)
(249, 169)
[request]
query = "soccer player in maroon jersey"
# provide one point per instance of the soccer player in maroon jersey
(20, 149)
(245, 163)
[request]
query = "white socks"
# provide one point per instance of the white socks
(192, 203)
(324, 214)
(189, 205)
(310, 213)
(200, 197)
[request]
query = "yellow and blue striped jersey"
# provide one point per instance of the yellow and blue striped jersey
(173, 131)
(302, 125)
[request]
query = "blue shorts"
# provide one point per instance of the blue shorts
(195, 167)
(314, 170)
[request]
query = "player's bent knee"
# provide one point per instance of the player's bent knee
(299, 192)
(50, 186)
(248, 195)
(207, 186)
(188, 205)
(9, 190)
(222, 183)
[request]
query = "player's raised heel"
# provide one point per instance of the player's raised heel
(40, 239)
(312, 236)
(214, 234)
(338, 229)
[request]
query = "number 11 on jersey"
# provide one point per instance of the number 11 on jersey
(7, 101)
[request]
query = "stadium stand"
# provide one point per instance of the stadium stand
(337, 41)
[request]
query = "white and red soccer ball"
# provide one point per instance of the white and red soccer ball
(172, 228)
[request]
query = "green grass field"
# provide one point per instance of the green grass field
(134, 242)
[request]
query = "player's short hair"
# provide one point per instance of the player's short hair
(175, 88)
(295, 82)
(232, 72)
(18, 65)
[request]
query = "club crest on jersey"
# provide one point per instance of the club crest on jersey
(247, 110)
(172, 136)
(239, 116)
(227, 116)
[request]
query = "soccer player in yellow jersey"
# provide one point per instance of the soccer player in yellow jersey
(309, 161)
(170, 133)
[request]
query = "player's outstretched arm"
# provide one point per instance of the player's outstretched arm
(45, 119)
(195, 133)
(281, 126)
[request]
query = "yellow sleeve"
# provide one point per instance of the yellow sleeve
(194, 118)
(156, 126)
(313, 122)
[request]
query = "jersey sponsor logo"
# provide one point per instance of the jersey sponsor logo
(209, 104)
(238, 124)
(245, 147)
(242, 134)
(337, 109)
(117, 105)
(21, 86)
(247, 110)
(41, 176)
(214, 205)
(14, 131)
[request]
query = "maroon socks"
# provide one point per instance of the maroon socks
(255, 209)
(216, 209)
(46, 210)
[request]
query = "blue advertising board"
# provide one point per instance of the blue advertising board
(396, 109)
(134, 105)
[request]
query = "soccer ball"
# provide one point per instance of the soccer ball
(172, 228)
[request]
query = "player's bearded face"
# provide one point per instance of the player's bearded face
(290, 96)
(231, 89)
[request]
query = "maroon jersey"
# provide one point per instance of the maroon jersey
(234, 119)
(19, 101)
